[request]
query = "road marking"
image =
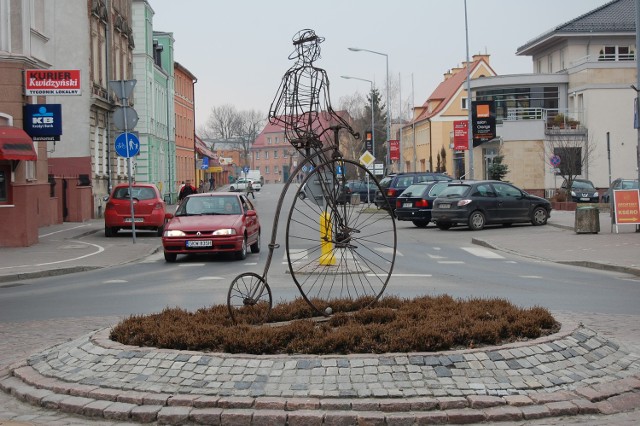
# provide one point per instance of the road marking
(450, 262)
(435, 256)
(482, 252)
(62, 230)
(401, 275)
(534, 277)
(115, 281)
(250, 263)
(209, 278)
(510, 261)
(188, 265)
(100, 249)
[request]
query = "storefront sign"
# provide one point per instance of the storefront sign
(43, 122)
(626, 203)
(483, 121)
(52, 82)
(461, 135)
(394, 150)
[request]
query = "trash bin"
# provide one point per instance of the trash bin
(587, 220)
(355, 199)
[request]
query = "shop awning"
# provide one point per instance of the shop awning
(202, 149)
(15, 144)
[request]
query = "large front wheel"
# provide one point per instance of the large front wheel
(249, 299)
(335, 249)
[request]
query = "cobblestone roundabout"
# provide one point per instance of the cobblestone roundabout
(576, 372)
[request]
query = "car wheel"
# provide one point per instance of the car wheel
(420, 223)
(232, 188)
(170, 257)
(255, 247)
(476, 221)
(160, 231)
(444, 226)
(242, 254)
(109, 231)
(539, 216)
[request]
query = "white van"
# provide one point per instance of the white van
(255, 176)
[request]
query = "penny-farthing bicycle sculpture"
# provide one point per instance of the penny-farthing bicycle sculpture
(335, 249)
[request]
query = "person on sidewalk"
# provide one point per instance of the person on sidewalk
(186, 190)
(250, 189)
(212, 183)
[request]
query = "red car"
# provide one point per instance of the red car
(149, 209)
(213, 222)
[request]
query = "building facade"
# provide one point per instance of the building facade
(153, 68)
(185, 124)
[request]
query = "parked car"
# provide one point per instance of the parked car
(415, 202)
(314, 191)
(478, 203)
(582, 191)
(401, 181)
(363, 189)
(214, 222)
(241, 185)
(619, 184)
(380, 199)
(149, 209)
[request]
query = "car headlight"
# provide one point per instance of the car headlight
(224, 232)
(595, 194)
(174, 233)
(573, 193)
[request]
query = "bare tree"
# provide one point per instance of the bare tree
(224, 122)
(574, 152)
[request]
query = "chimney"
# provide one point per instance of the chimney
(455, 70)
(479, 57)
(447, 75)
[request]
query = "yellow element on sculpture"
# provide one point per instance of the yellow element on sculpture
(326, 246)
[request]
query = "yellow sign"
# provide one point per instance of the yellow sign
(215, 169)
(367, 159)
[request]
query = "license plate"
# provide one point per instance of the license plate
(445, 206)
(138, 219)
(407, 205)
(584, 199)
(199, 243)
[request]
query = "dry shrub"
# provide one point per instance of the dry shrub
(392, 324)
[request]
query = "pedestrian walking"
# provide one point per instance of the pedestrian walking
(201, 186)
(212, 183)
(186, 190)
(250, 189)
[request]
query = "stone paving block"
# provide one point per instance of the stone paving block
(52, 401)
(182, 400)
(104, 394)
(424, 404)
(174, 415)
(305, 418)
(365, 404)
(531, 412)
(236, 417)
(95, 408)
(334, 404)
(145, 413)
(465, 415)
(625, 402)
(585, 406)
(562, 408)
(206, 401)
(74, 404)
(371, 418)
(400, 419)
(155, 398)
(484, 401)
(206, 416)
(302, 404)
(269, 403)
(82, 390)
(517, 400)
(394, 405)
(131, 397)
(339, 418)
(232, 402)
(546, 397)
(118, 411)
(447, 403)
(269, 418)
(503, 414)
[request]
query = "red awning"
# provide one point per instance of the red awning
(15, 144)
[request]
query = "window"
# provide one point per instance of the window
(266, 170)
(549, 64)
(275, 153)
(285, 154)
(4, 184)
(616, 53)
(539, 66)
(257, 155)
(562, 59)
(571, 160)
(275, 169)
(268, 141)
(276, 140)
(266, 155)
(464, 103)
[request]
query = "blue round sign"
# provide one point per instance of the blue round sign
(555, 160)
(245, 169)
(127, 145)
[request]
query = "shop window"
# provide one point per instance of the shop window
(5, 173)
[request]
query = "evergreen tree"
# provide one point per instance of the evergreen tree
(498, 170)
(380, 123)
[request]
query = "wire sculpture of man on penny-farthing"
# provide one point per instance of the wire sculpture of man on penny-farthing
(334, 249)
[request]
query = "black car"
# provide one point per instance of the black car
(366, 191)
(478, 203)
(380, 199)
(415, 202)
(582, 191)
(401, 181)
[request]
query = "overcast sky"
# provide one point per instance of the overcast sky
(238, 49)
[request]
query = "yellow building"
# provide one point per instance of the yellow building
(428, 140)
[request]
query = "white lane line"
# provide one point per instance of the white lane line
(435, 256)
(189, 265)
(510, 261)
(250, 263)
(400, 275)
(534, 277)
(115, 281)
(62, 230)
(100, 249)
(209, 278)
(482, 252)
(450, 262)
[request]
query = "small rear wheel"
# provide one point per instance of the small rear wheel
(249, 299)
(476, 220)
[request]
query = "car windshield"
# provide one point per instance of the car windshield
(579, 184)
(384, 183)
(141, 193)
(454, 191)
(629, 184)
(414, 190)
(437, 189)
(194, 206)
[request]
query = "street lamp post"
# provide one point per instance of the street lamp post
(357, 49)
(373, 129)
